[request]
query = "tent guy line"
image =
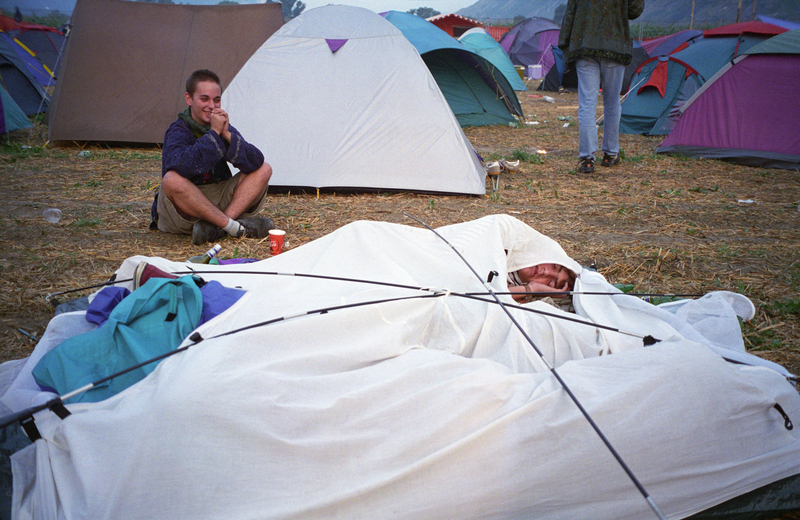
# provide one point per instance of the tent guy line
(555, 373)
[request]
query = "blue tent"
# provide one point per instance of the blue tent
(479, 41)
(476, 91)
(28, 57)
(786, 24)
(17, 79)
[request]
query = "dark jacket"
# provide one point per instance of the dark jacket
(205, 160)
(598, 29)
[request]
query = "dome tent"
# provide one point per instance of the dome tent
(375, 119)
(478, 93)
(665, 83)
(479, 41)
(529, 42)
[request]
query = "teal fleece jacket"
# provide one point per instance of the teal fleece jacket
(598, 29)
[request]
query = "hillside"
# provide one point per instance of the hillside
(707, 12)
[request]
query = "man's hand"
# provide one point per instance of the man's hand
(219, 123)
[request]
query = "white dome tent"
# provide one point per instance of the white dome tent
(338, 98)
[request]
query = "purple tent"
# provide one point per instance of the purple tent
(528, 43)
(735, 117)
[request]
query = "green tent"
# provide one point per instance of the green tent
(476, 90)
(11, 116)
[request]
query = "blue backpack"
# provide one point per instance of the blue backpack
(151, 321)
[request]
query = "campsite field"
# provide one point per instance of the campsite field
(663, 224)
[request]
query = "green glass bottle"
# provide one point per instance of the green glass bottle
(205, 257)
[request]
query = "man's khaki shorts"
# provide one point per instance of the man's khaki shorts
(220, 194)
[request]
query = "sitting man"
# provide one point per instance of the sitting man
(542, 278)
(198, 194)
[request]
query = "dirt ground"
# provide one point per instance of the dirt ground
(663, 224)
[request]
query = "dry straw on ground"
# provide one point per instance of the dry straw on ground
(664, 224)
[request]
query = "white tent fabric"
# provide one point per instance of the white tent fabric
(432, 408)
(339, 98)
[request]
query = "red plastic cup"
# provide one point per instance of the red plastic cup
(276, 241)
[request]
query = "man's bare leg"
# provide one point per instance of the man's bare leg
(190, 201)
(249, 190)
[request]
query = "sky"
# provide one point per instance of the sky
(443, 6)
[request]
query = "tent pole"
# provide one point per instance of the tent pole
(739, 12)
(691, 20)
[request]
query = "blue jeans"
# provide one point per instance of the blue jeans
(592, 73)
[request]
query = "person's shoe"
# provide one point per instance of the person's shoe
(494, 168)
(586, 165)
(203, 232)
(509, 166)
(145, 271)
(610, 160)
(256, 227)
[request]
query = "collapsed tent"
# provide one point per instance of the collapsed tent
(476, 91)
(17, 78)
(529, 42)
(665, 83)
(731, 117)
(479, 41)
(363, 386)
(106, 91)
(376, 120)
(11, 115)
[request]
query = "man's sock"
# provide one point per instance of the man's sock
(233, 228)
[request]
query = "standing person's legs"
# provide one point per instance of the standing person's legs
(613, 75)
(588, 70)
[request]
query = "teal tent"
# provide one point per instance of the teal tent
(479, 41)
(11, 116)
(478, 94)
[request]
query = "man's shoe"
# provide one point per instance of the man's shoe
(203, 232)
(610, 160)
(586, 165)
(256, 227)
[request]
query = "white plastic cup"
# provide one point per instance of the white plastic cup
(52, 215)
